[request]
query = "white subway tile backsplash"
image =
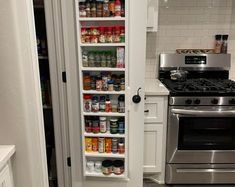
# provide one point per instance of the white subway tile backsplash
(190, 24)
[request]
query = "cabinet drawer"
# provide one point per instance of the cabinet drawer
(154, 108)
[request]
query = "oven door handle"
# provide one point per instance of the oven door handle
(203, 112)
(209, 170)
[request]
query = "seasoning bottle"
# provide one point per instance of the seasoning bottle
(112, 8)
(225, 44)
(114, 145)
(218, 43)
(97, 59)
(113, 59)
(113, 126)
(117, 8)
(93, 8)
(99, 9)
(88, 124)
(91, 59)
(94, 144)
(98, 84)
(104, 83)
(102, 103)
(110, 85)
(108, 105)
(108, 59)
(83, 35)
(103, 60)
(122, 8)
(101, 145)
(106, 8)
(88, 8)
(103, 125)
(93, 82)
(102, 35)
(116, 34)
(95, 125)
(108, 145)
(121, 104)
(82, 9)
(95, 104)
(121, 126)
(87, 103)
(86, 81)
(109, 34)
(122, 35)
(85, 58)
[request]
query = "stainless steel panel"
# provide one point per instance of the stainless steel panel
(195, 156)
(200, 173)
(214, 62)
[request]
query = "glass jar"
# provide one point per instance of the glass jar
(109, 34)
(102, 104)
(98, 84)
(94, 39)
(121, 126)
(111, 8)
(116, 34)
(93, 82)
(113, 60)
(85, 58)
(108, 59)
(118, 167)
(88, 124)
(86, 81)
(97, 59)
(103, 124)
(91, 59)
(122, 35)
(88, 8)
(110, 85)
(106, 8)
(103, 59)
(95, 31)
(87, 103)
(99, 9)
(82, 9)
(114, 107)
(95, 125)
(83, 35)
(104, 82)
(102, 35)
(113, 126)
(114, 145)
(108, 107)
(121, 148)
(121, 104)
(93, 8)
(95, 104)
(107, 167)
(122, 83)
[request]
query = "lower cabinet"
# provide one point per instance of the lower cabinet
(153, 140)
(5, 177)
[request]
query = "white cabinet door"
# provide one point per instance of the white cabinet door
(5, 178)
(153, 148)
(153, 109)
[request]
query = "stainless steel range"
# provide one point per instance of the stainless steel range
(201, 119)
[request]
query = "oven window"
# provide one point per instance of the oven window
(206, 133)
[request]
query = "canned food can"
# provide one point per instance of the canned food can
(114, 145)
(121, 148)
(88, 144)
(95, 144)
(101, 145)
(108, 145)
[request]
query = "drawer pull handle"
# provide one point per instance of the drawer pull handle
(146, 111)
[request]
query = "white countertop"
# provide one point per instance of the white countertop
(6, 151)
(155, 87)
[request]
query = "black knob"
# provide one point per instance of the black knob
(197, 101)
(232, 101)
(136, 98)
(188, 101)
(214, 101)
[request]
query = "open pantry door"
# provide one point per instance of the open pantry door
(105, 64)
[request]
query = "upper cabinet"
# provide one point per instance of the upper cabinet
(152, 21)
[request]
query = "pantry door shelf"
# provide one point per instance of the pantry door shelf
(94, 174)
(102, 44)
(112, 114)
(93, 92)
(104, 135)
(102, 19)
(103, 69)
(104, 155)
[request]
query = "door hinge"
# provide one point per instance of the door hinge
(64, 76)
(69, 161)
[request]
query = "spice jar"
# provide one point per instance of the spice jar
(122, 83)
(103, 124)
(121, 104)
(121, 126)
(109, 34)
(108, 145)
(85, 58)
(117, 8)
(93, 82)
(90, 166)
(83, 35)
(99, 9)
(102, 103)
(94, 144)
(88, 8)
(113, 126)
(111, 7)
(102, 35)
(98, 84)
(114, 107)
(118, 167)
(101, 145)
(103, 60)
(107, 167)
(104, 83)
(82, 9)
(88, 125)
(94, 39)
(97, 59)
(110, 85)
(86, 81)
(116, 34)
(88, 144)
(116, 86)
(106, 8)
(122, 8)
(121, 148)
(114, 145)
(95, 104)
(87, 103)
(113, 60)
(108, 59)
(93, 8)
(91, 59)
(107, 104)
(95, 31)
(122, 35)
(95, 125)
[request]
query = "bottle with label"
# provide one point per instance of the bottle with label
(224, 48)
(106, 8)
(218, 43)
(117, 8)
(108, 107)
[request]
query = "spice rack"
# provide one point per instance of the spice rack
(94, 156)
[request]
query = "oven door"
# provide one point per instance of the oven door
(201, 135)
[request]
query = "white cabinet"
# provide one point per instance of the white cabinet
(5, 177)
(152, 20)
(155, 125)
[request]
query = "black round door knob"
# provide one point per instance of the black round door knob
(136, 98)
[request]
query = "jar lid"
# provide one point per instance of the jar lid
(114, 120)
(87, 96)
(118, 163)
(102, 118)
(107, 163)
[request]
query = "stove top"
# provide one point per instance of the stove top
(200, 87)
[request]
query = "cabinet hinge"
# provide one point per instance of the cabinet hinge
(69, 161)
(64, 76)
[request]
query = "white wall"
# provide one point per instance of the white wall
(20, 100)
(190, 24)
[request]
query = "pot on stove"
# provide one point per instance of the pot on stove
(178, 75)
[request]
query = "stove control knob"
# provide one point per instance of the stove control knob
(214, 101)
(197, 101)
(188, 101)
(232, 101)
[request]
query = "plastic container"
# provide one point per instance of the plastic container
(113, 126)
(118, 167)
(107, 168)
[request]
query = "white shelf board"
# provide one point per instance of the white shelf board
(103, 92)
(102, 69)
(104, 155)
(95, 174)
(115, 114)
(102, 44)
(105, 135)
(102, 19)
